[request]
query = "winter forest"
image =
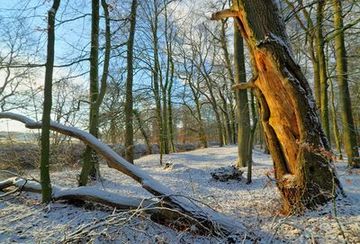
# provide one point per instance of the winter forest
(178, 121)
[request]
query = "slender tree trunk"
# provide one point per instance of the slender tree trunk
(231, 117)
(198, 116)
(334, 121)
(165, 121)
(143, 131)
(303, 169)
(252, 136)
(324, 103)
(169, 106)
(226, 118)
(213, 101)
(156, 80)
(233, 122)
(129, 131)
(45, 128)
(242, 101)
(202, 134)
(349, 131)
(219, 126)
(90, 159)
(317, 88)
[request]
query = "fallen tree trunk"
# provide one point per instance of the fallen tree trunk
(208, 217)
(156, 209)
(80, 193)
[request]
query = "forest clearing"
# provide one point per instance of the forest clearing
(257, 205)
(180, 121)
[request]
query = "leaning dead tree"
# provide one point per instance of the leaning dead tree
(300, 151)
(203, 217)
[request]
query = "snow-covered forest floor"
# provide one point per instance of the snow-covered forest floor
(24, 219)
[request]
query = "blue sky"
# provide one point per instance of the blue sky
(71, 37)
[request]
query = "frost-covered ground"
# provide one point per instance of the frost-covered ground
(23, 219)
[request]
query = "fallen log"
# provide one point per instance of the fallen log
(80, 193)
(157, 211)
(211, 219)
(225, 174)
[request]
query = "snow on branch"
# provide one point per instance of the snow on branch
(219, 223)
(80, 193)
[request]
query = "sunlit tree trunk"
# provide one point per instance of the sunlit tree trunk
(244, 128)
(349, 131)
(303, 166)
(90, 161)
(334, 120)
(324, 101)
(231, 117)
(169, 106)
(157, 79)
(252, 137)
(45, 128)
(129, 130)
(226, 116)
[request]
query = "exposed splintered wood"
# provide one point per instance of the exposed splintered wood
(302, 161)
(212, 220)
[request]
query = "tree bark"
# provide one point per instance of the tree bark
(230, 112)
(303, 168)
(90, 161)
(324, 100)
(169, 107)
(82, 193)
(129, 130)
(157, 77)
(251, 139)
(334, 121)
(244, 156)
(45, 129)
(349, 130)
(143, 131)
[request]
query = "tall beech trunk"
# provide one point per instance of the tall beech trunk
(45, 128)
(157, 77)
(324, 100)
(349, 130)
(252, 136)
(169, 106)
(334, 121)
(91, 163)
(229, 68)
(129, 130)
(90, 160)
(303, 171)
(202, 133)
(226, 116)
(244, 128)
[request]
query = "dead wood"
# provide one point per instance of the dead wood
(224, 174)
(212, 220)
